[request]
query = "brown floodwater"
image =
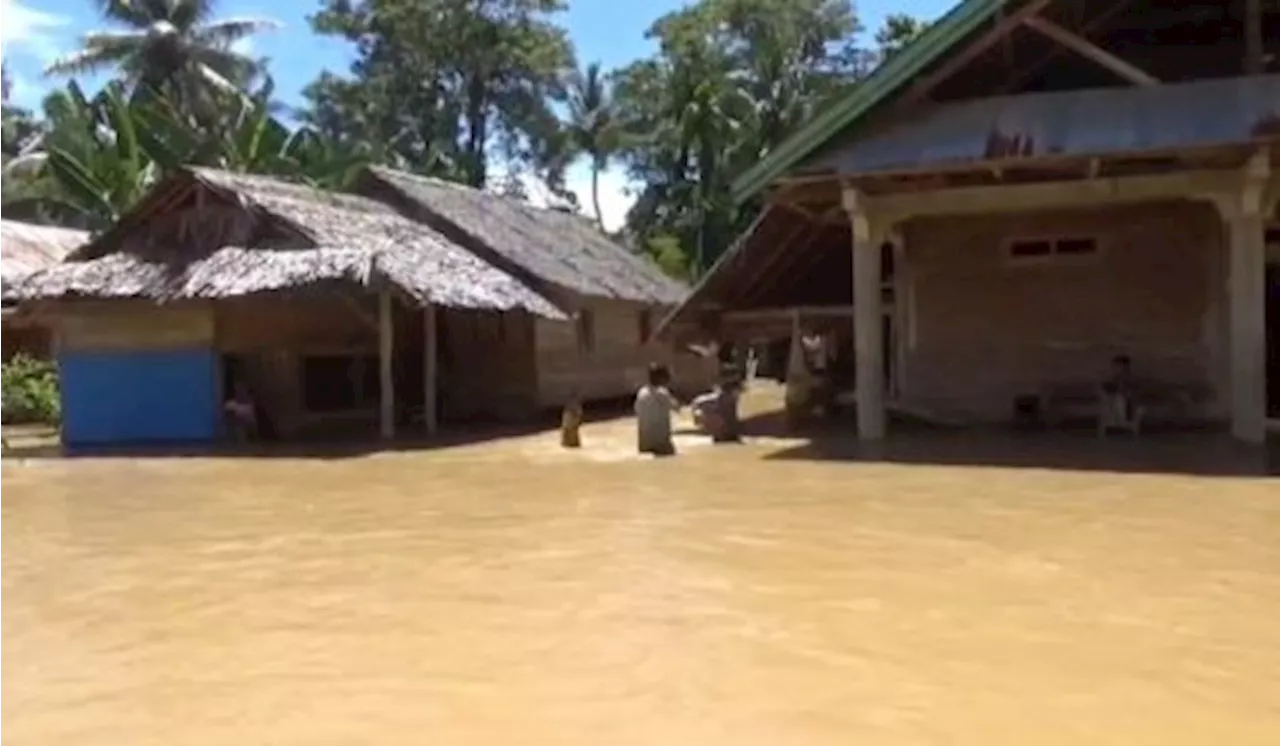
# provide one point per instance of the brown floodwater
(514, 593)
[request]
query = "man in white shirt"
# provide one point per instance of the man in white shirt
(654, 405)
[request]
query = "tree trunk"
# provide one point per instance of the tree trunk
(595, 192)
(477, 134)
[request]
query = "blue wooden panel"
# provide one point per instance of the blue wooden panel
(151, 396)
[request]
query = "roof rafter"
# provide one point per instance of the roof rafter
(1090, 51)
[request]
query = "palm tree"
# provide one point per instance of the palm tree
(169, 46)
(593, 124)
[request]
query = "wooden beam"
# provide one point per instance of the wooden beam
(953, 64)
(1098, 22)
(386, 379)
(1090, 51)
(430, 364)
(1063, 194)
(1254, 59)
(786, 314)
(770, 263)
(797, 262)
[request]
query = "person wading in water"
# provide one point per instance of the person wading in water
(654, 405)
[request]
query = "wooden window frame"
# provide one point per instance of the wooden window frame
(1054, 256)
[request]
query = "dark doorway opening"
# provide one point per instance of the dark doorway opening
(1273, 339)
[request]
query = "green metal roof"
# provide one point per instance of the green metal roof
(935, 42)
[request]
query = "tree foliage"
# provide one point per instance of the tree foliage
(729, 80)
(453, 84)
(174, 47)
(593, 127)
(487, 92)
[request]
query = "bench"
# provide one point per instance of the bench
(1064, 402)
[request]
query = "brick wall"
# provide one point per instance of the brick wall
(980, 327)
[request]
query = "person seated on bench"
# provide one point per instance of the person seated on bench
(1118, 409)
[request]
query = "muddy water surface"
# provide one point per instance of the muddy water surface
(511, 593)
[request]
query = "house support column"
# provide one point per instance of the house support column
(868, 324)
(1244, 219)
(430, 365)
(386, 381)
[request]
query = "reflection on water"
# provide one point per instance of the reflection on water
(516, 594)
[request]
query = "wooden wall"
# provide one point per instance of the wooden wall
(486, 365)
(617, 363)
(134, 325)
(978, 329)
(30, 340)
(272, 333)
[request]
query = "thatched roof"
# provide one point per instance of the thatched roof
(299, 236)
(27, 248)
(559, 248)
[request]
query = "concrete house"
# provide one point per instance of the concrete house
(1031, 188)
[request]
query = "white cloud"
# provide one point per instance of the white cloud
(243, 46)
(614, 200)
(30, 31)
(21, 91)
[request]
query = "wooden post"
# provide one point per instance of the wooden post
(386, 381)
(1245, 224)
(430, 364)
(798, 383)
(1254, 56)
(868, 324)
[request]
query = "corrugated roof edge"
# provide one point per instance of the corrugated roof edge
(939, 38)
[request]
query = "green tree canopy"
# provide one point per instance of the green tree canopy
(452, 84)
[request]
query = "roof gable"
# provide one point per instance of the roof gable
(555, 247)
(888, 80)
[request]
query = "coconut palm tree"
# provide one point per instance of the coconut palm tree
(593, 124)
(173, 47)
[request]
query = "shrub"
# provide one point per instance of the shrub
(30, 391)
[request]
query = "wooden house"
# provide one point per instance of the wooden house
(614, 297)
(24, 249)
(336, 311)
(1029, 190)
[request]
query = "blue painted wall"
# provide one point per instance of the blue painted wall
(138, 396)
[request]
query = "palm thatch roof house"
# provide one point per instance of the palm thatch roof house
(24, 249)
(615, 298)
(1032, 188)
(334, 311)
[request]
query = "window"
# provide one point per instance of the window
(338, 383)
(586, 330)
(1048, 249)
(644, 324)
(1075, 246)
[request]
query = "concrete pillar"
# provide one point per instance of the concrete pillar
(1245, 226)
(868, 324)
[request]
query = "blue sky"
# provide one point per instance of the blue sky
(607, 31)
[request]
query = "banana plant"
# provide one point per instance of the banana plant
(91, 152)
